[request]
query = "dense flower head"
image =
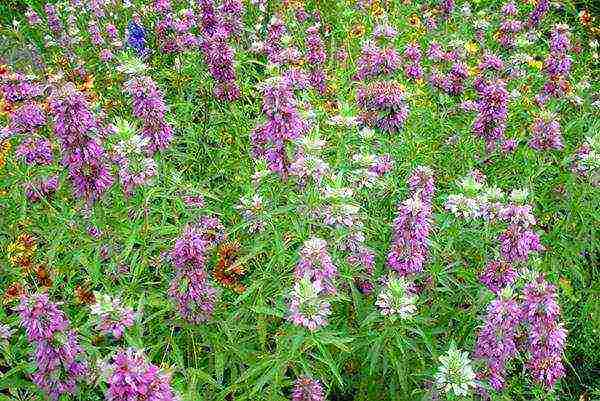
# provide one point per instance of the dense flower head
(219, 56)
(517, 243)
(136, 37)
(547, 336)
(57, 354)
(17, 87)
(131, 377)
(308, 305)
(546, 134)
(74, 123)
(112, 316)
(35, 151)
(27, 118)
(539, 12)
(135, 168)
(497, 339)
(284, 124)
(497, 275)
(316, 264)
(492, 113)
(150, 107)
(41, 188)
(375, 61)
(316, 58)
(455, 373)
(307, 389)
(383, 105)
(397, 298)
(89, 171)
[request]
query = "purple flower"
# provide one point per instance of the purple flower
(32, 17)
(412, 225)
(316, 58)
(41, 188)
(131, 377)
(307, 389)
(497, 339)
(190, 289)
(492, 113)
(218, 55)
(27, 118)
(375, 61)
(283, 124)
(383, 105)
(150, 107)
(517, 243)
(53, 20)
(308, 304)
(58, 356)
(538, 13)
(547, 336)
(316, 264)
(497, 275)
(546, 134)
(35, 151)
(89, 171)
(112, 317)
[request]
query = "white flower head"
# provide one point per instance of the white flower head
(455, 374)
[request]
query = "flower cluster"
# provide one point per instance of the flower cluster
(586, 160)
(149, 106)
(412, 225)
(397, 298)
(77, 129)
(41, 188)
(111, 315)
(129, 154)
(284, 124)
(412, 67)
(316, 59)
(131, 377)
(492, 113)
(190, 289)
(383, 105)
(58, 356)
(557, 65)
(455, 374)
(375, 61)
(547, 336)
(307, 389)
(315, 274)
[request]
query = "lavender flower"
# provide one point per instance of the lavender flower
(546, 134)
(150, 107)
(492, 109)
(111, 316)
(307, 389)
(517, 243)
(26, 119)
(411, 226)
(538, 13)
(308, 305)
(218, 55)
(41, 188)
(497, 275)
(316, 264)
(497, 340)
(58, 356)
(190, 289)
(283, 124)
(316, 58)
(76, 127)
(375, 61)
(547, 336)
(131, 377)
(383, 105)
(35, 151)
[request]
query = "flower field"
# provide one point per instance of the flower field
(343, 200)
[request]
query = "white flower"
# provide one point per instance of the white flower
(397, 299)
(455, 373)
(519, 195)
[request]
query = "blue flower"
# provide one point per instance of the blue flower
(136, 37)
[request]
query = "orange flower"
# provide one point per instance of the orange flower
(585, 18)
(414, 21)
(84, 296)
(14, 291)
(228, 271)
(357, 31)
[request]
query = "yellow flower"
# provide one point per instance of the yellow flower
(472, 70)
(376, 9)
(471, 47)
(537, 64)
